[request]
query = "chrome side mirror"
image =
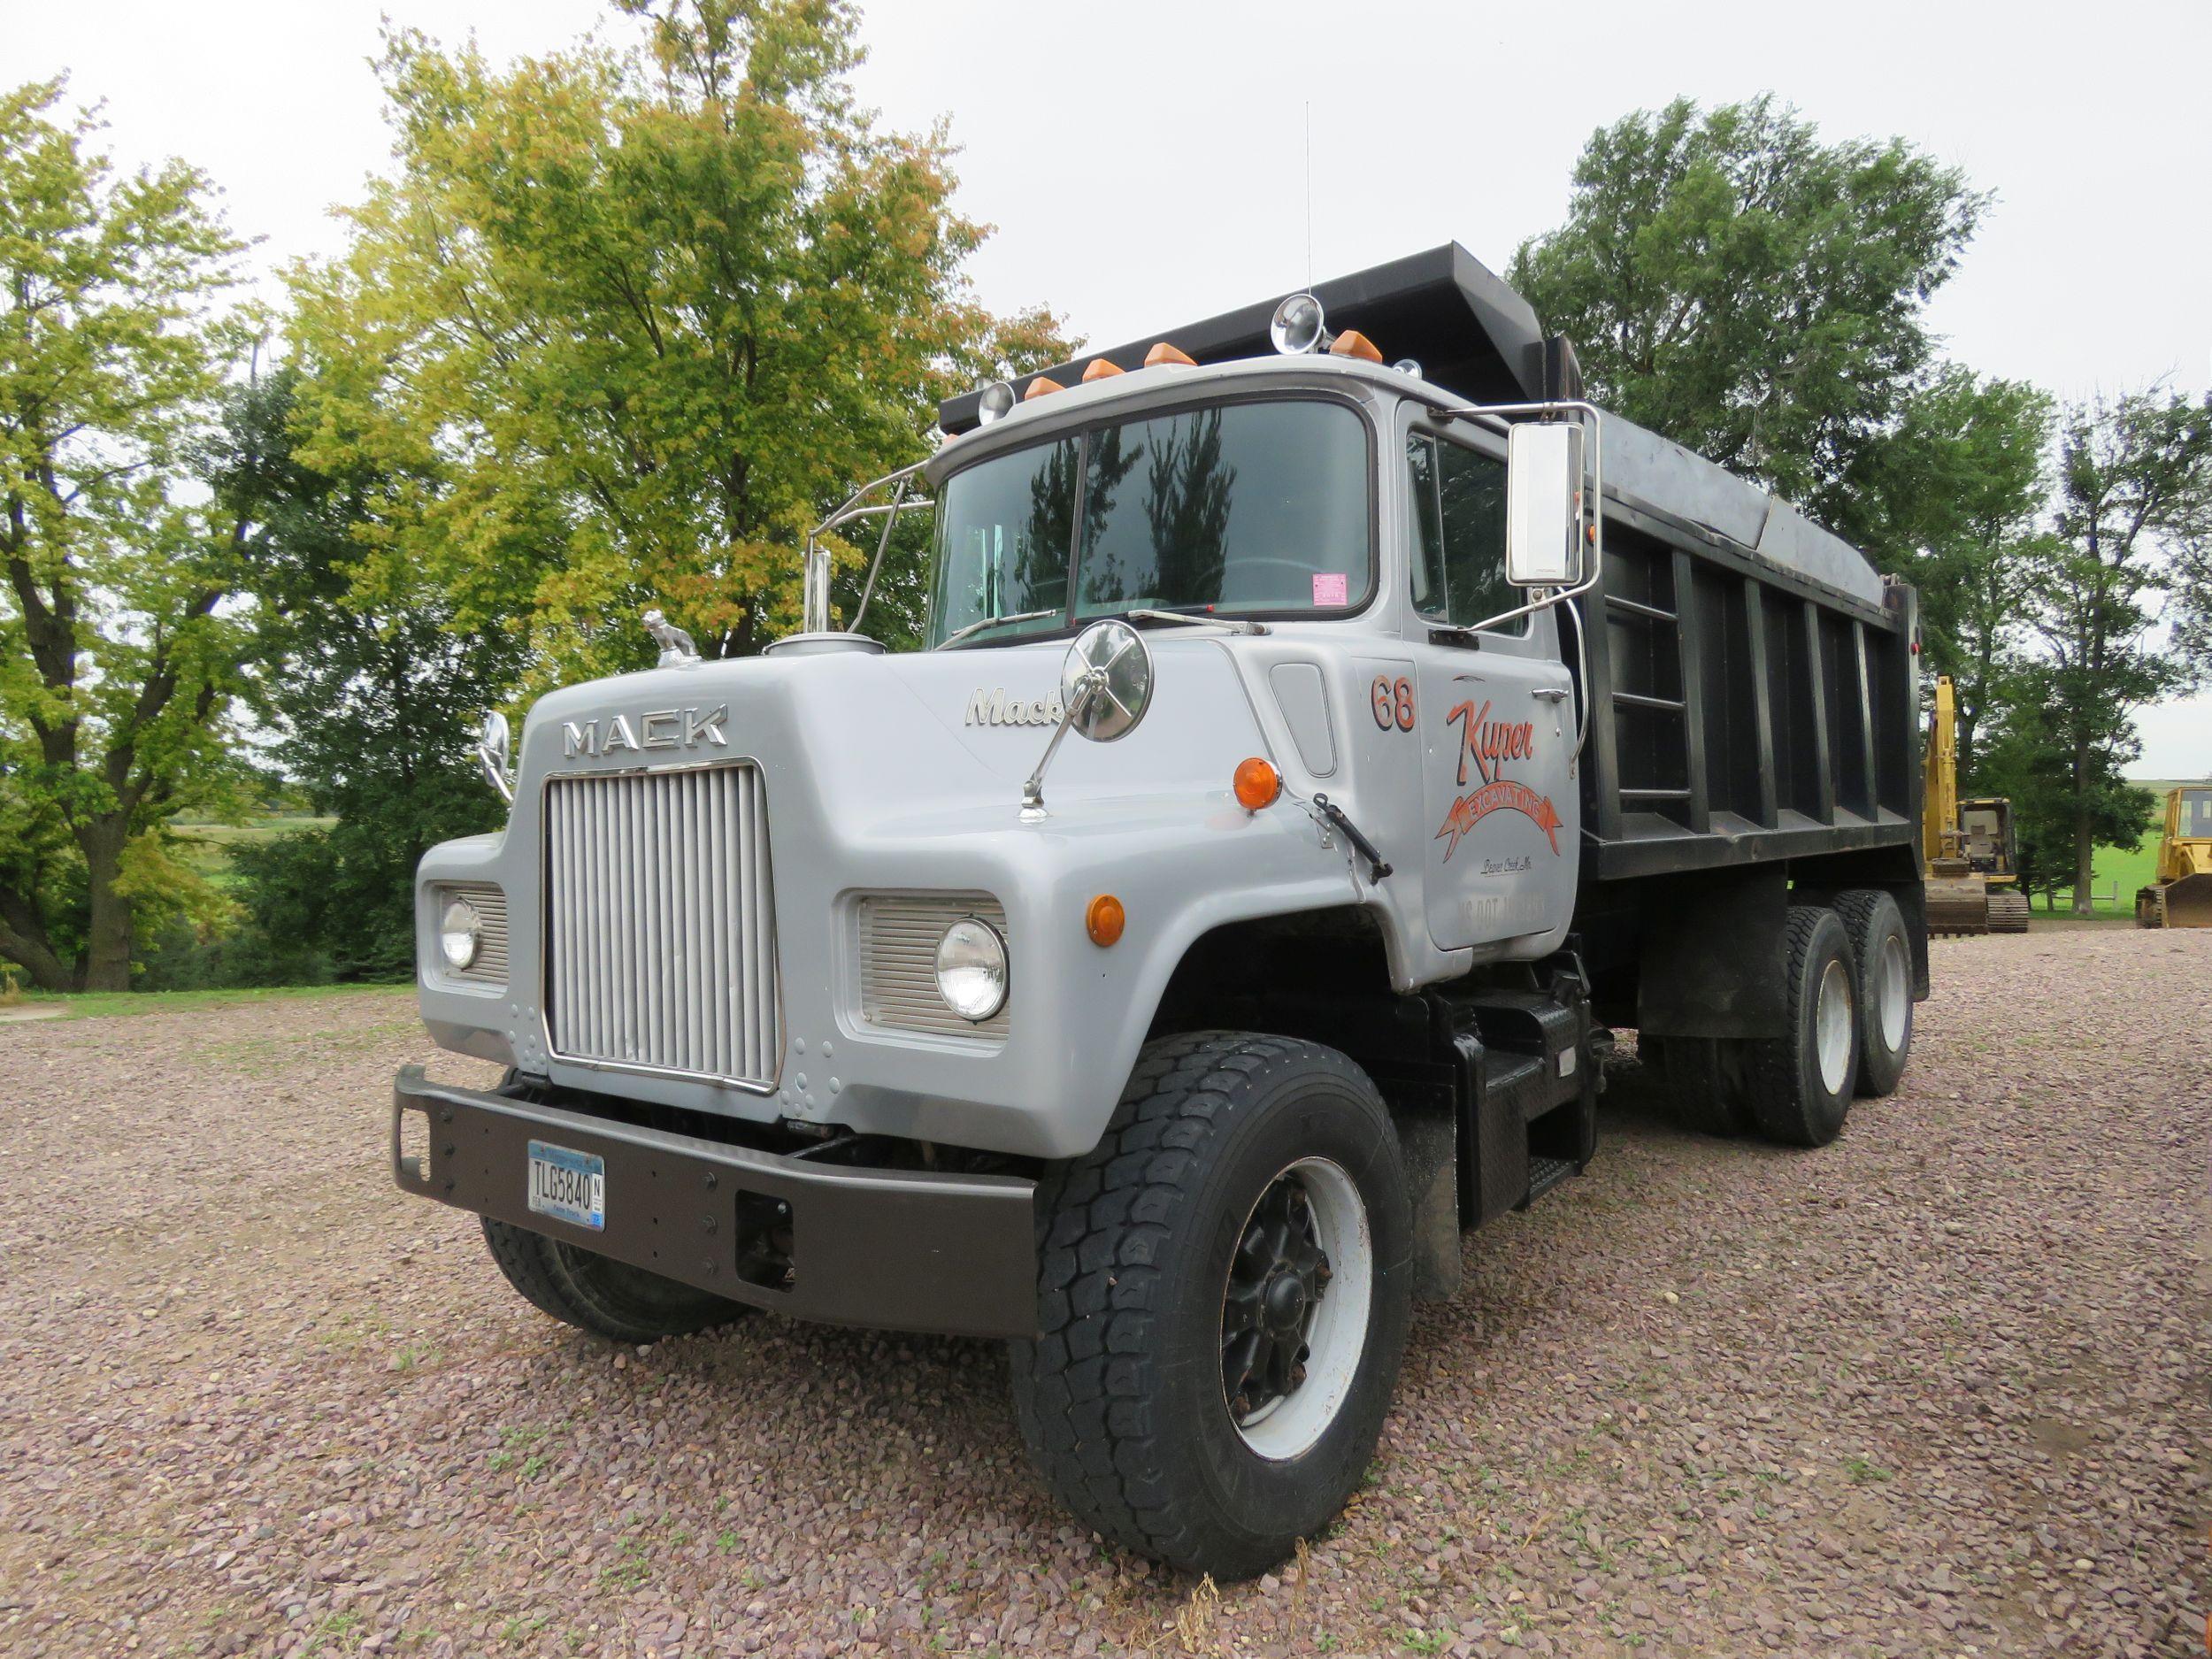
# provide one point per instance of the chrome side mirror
(1544, 505)
(494, 743)
(1118, 654)
(1105, 688)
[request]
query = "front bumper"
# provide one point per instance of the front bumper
(896, 1249)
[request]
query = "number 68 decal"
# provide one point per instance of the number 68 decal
(1392, 702)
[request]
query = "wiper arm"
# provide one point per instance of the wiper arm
(1235, 624)
(958, 634)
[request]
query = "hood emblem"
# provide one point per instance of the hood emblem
(677, 650)
(995, 708)
(661, 728)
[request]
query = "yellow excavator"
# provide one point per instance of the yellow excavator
(1972, 864)
(2182, 894)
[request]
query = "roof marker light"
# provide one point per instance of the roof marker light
(1352, 343)
(1165, 353)
(1100, 370)
(1044, 384)
(997, 399)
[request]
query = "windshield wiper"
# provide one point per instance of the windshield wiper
(1235, 624)
(958, 634)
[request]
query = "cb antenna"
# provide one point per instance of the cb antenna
(1309, 195)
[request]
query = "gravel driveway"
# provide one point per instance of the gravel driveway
(1939, 1389)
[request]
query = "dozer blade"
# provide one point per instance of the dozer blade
(2008, 910)
(2188, 902)
(1958, 904)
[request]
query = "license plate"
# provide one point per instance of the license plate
(567, 1186)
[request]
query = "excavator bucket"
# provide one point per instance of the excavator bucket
(2184, 904)
(1958, 898)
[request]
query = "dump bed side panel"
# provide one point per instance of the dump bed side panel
(1742, 712)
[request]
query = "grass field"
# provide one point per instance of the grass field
(2129, 867)
(100, 1004)
(206, 847)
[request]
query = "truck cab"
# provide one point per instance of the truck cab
(1211, 923)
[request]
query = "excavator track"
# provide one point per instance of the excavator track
(2008, 910)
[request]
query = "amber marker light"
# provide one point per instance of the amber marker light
(1043, 385)
(1352, 343)
(1103, 919)
(1165, 353)
(1257, 784)
(1101, 370)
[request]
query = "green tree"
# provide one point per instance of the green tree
(119, 658)
(374, 692)
(624, 324)
(2135, 487)
(1739, 286)
(1963, 484)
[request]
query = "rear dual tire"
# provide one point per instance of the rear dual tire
(1847, 977)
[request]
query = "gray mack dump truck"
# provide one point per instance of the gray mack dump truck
(1312, 757)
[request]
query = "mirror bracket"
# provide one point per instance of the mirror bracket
(494, 740)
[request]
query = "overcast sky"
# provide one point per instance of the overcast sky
(1145, 164)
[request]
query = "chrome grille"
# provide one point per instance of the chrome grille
(661, 948)
(490, 967)
(898, 961)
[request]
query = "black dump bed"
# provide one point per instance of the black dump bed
(1752, 681)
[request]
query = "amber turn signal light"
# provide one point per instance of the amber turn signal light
(1104, 919)
(1257, 784)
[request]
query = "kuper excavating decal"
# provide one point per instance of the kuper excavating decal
(1489, 744)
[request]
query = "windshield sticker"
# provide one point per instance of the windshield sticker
(1331, 588)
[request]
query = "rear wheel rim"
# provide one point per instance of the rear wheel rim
(1294, 1310)
(1894, 991)
(1832, 1025)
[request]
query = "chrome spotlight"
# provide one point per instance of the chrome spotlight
(1407, 365)
(1296, 327)
(998, 399)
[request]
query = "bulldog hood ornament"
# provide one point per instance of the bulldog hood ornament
(677, 650)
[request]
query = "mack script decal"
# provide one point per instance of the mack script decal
(1489, 744)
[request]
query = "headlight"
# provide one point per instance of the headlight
(971, 970)
(460, 933)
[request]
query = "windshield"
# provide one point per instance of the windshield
(2196, 814)
(1243, 506)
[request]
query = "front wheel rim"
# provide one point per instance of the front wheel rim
(1832, 1025)
(1294, 1307)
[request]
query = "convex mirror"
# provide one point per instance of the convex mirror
(1113, 657)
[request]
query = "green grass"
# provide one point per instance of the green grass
(106, 1004)
(206, 849)
(2130, 867)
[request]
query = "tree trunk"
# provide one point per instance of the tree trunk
(2085, 852)
(108, 937)
(23, 941)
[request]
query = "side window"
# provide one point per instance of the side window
(1458, 553)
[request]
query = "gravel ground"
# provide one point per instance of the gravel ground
(1939, 1389)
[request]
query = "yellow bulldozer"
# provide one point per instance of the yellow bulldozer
(2182, 894)
(1972, 864)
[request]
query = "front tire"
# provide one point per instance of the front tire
(599, 1295)
(1799, 1085)
(1224, 1288)
(1883, 955)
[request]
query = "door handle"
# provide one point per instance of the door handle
(1551, 693)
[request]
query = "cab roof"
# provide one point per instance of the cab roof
(1470, 332)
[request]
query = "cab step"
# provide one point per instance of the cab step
(1544, 1174)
